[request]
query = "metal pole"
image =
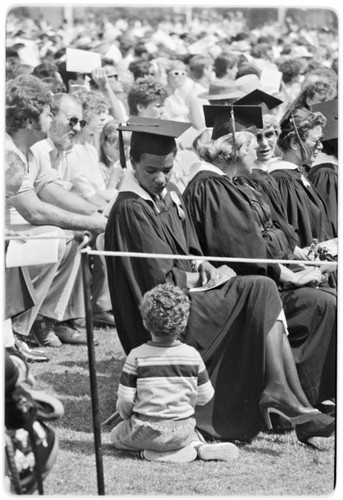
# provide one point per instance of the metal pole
(92, 372)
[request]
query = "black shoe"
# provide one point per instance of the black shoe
(104, 319)
(328, 407)
(320, 426)
(70, 335)
(43, 332)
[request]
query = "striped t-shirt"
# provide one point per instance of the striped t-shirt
(163, 381)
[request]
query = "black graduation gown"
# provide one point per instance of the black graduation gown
(324, 177)
(305, 208)
(310, 312)
(228, 325)
(267, 185)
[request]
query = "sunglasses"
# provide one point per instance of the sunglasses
(73, 121)
(178, 73)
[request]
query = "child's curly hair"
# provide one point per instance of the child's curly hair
(165, 310)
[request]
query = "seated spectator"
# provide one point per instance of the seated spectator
(109, 81)
(78, 167)
(226, 66)
(147, 98)
(109, 160)
(56, 86)
(42, 201)
(47, 69)
(139, 68)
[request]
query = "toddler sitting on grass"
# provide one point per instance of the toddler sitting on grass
(161, 383)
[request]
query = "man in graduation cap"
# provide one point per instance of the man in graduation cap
(228, 324)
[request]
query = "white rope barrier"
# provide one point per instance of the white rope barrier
(142, 255)
(36, 237)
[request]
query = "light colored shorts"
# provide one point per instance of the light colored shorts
(142, 433)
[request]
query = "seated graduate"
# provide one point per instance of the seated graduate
(238, 326)
(300, 141)
(323, 173)
(234, 221)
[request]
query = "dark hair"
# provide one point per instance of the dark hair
(139, 68)
(45, 69)
(290, 68)
(144, 91)
(224, 62)
(197, 65)
(26, 96)
(136, 153)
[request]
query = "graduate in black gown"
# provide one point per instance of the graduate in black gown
(237, 327)
(323, 173)
(310, 312)
(300, 143)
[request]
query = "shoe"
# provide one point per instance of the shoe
(25, 460)
(69, 335)
(104, 319)
(294, 414)
(48, 407)
(77, 323)
(328, 407)
(186, 454)
(43, 332)
(320, 426)
(218, 451)
(30, 355)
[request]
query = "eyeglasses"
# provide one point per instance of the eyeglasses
(115, 76)
(177, 73)
(316, 143)
(73, 121)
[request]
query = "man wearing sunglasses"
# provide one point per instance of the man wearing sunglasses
(57, 150)
(43, 205)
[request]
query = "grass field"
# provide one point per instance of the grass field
(273, 464)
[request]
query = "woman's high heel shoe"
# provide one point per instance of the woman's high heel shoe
(294, 414)
(320, 426)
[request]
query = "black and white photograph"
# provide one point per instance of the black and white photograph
(170, 264)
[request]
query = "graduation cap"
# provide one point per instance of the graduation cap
(259, 98)
(330, 110)
(154, 136)
(232, 118)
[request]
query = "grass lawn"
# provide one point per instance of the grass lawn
(273, 464)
